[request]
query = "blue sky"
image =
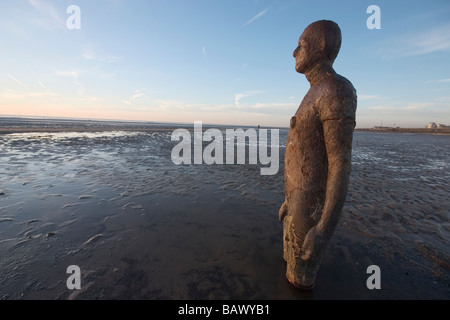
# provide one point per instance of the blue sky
(218, 61)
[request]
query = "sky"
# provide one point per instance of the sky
(218, 61)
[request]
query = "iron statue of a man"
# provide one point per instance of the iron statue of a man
(318, 154)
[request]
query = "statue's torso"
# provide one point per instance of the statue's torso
(306, 164)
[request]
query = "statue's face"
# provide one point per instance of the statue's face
(309, 51)
(304, 55)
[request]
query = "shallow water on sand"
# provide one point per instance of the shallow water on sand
(140, 227)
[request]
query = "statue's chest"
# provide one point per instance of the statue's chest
(307, 114)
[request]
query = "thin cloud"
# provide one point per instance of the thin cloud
(204, 51)
(11, 94)
(14, 94)
(19, 82)
(43, 85)
(70, 73)
(275, 106)
(95, 57)
(365, 97)
(439, 81)
(419, 106)
(254, 108)
(426, 42)
(74, 74)
(137, 95)
(415, 114)
(239, 96)
(443, 99)
(434, 40)
(50, 18)
(259, 15)
(410, 107)
(43, 94)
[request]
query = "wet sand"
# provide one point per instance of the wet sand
(140, 227)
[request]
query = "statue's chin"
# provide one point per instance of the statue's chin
(299, 69)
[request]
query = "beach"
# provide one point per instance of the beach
(107, 197)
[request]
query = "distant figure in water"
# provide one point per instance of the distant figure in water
(318, 154)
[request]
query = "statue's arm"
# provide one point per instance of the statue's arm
(338, 140)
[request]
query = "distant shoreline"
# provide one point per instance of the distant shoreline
(29, 125)
(12, 130)
(157, 128)
(443, 131)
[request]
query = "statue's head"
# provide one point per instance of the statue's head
(320, 42)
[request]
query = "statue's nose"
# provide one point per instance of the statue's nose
(295, 52)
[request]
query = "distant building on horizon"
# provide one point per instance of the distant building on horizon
(433, 125)
(382, 128)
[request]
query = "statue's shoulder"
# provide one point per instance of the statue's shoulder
(339, 86)
(337, 99)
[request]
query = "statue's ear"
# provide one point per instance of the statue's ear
(323, 46)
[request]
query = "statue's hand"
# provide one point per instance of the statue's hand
(283, 211)
(314, 242)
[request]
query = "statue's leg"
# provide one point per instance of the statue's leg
(299, 273)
